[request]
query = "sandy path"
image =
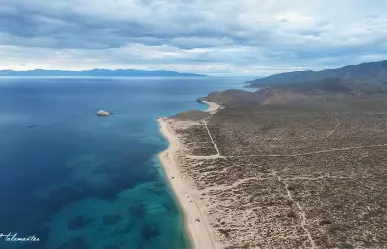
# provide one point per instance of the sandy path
(195, 221)
(301, 212)
(212, 139)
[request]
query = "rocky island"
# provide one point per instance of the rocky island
(103, 113)
(300, 165)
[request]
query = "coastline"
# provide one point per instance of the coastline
(212, 107)
(195, 222)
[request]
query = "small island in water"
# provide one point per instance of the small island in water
(301, 163)
(103, 113)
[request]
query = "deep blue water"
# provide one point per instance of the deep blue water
(79, 181)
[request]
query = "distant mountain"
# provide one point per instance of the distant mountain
(365, 73)
(99, 73)
(365, 80)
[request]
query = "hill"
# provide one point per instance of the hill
(335, 85)
(99, 73)
(295, 92)
(365, 73)
(260, 97)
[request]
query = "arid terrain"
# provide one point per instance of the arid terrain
(311, 173)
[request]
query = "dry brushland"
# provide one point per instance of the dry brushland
(311, 173)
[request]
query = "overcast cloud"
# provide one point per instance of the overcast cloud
(220, 37)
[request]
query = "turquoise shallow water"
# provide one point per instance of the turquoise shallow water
(77, 181)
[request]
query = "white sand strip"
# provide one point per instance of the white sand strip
(212, 107)
(195, 221)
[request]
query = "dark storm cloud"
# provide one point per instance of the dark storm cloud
(58, 25)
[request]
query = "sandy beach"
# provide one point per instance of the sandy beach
(212, 107)
(196, 222)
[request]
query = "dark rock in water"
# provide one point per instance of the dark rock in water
(149, 231)
(79, 222)
(111, 219)
(74, 243)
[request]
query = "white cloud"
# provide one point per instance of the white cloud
(225, 36)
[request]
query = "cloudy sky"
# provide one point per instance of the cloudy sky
(215, 37)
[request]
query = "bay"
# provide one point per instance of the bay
(78, 181)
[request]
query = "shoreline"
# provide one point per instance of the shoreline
(195, 223)
(212, 107)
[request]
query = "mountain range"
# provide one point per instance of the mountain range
(367, 80)
(99, 73)
(372, 72)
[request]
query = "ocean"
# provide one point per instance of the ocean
(73, 180)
